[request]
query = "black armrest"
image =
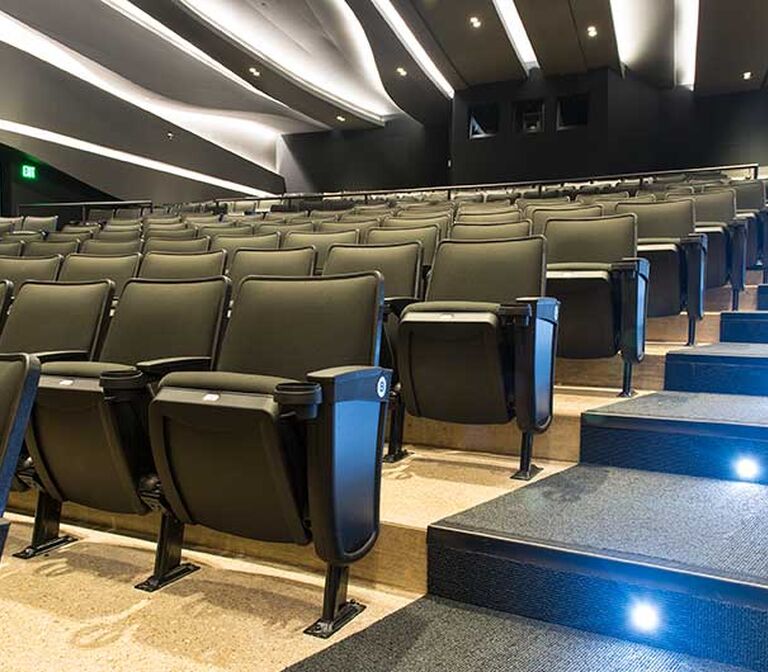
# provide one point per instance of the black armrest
(633, 274)
(534, 323)
(353, 383)
(62, 356)
(157, 368)
(395, 305)
(694, 248)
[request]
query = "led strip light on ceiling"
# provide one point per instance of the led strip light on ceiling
(409, 41)
(126, 157)
(686, 39)
(518, 37)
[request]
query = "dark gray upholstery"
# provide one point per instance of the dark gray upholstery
(539, 216)
(489, 271)
(11, 248)
(469, 209)
(610, 205)
(282, 229)
(231, 244)
(507, 216)
(266, 262)
(163, 244)
(12, 222)
(25, 236)
(428, 236)
(156, 219)
(320, 241)
(170, 234)
(202, 219)
(118, 236)
(88, 230)
(750, 194)
(180, 266)
(42, 248)
(102, 247)
(361, 225)
(400, 265)
(662, 219)
(19, 270)
(43, 224)
(491, 231)
(716, 206)
(211, 231)
(443, 222)
(523, 203)
(67, 236)
(78, 310)
(598, 240)
(85, 267)
(128, 213)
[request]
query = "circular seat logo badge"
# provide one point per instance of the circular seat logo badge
(381, 387)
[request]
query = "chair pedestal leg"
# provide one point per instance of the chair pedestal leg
(626, 384)
(45, 534)
(527, 470)
(735, 296)
(168, 565)
(691, 331)
(395, 450)
(337, 610)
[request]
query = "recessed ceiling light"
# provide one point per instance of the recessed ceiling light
(591, 31)
(254, 72)
(170, 135)
(746, 75)
(340, 118)
(402, 72)
(475, 22)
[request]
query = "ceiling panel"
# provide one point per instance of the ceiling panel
(600, 51)
(478, 55)
(730, 43)
(552, 31)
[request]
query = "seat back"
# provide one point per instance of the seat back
(11, 223)
(662, 219)
(597, 197)
(402, 221)
(400, 265)
(271, 317)
(716, 206)
(164, 220)
(11, 248)
(202, 219)
(79, 311)
(539, 216)
(296, 262)
(103, 247)
(177, 245)
(750, 194)
(128, 213)
(497, 271)
(320, 241)
(610, 205)
(169, 234)
(245, 230)
(491, 231)
(87, 267)
(181, 266)
(428, 236)
(282, 229)
(502, 217)
(118, 236)
(362, 225)
(140, 329)
(231, 244)
(131, 224)
(19, 270)
(598, 240)
(68, 236)
(42, 248)
(27, 236)
(43, 224)
(524, 202)
(468, 208)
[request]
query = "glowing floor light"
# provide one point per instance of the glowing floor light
(746, 468)
(644, 617)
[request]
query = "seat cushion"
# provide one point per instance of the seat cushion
(82, 369)
(223, 380)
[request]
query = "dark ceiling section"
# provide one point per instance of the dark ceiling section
(478, 55)
(414, 93)
(273, 83)
(653, 25)
(731, 42)
(558, 29)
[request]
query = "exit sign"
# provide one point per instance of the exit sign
(28, 171)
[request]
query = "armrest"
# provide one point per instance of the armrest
(633, 275)
(737, 254)
(157, 368)
(534, 322)
(694, 247)
(344, 460)
(395, 305)
(62, 356)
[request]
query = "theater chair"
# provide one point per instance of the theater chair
(87, 436)
(181, 266)
(481, 348)
(678, 254)
(401, 265)
(231, 244)
(443, 222)
(89, 267)
(293, 426)
(296, 262)
(43, 225)
(750, 203)
(539, 216)
(361, 225)
(282, 229)
(507, 216)
(118, 236)
(171, 234)
(602, 286)
(19, 374)
(491, 231)
(9, 224)
(68, 236)
(42, 248)
(107, 247)
(21, 269)
(11, 248)
(320, 241)
(163, 244)
(428, 236)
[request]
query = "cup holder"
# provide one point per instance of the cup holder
(119, 381)
(302, 398)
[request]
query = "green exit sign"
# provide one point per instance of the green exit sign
(28, 171)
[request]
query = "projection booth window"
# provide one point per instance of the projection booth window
(483, 120)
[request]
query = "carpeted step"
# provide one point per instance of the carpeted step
(711, 435)
(744, 327)
(436, 635)
(669, 561)
(726, 368)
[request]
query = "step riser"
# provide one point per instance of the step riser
(687, 451)
(746, 328)
(597, 601)
(685, 376)
(762, 297)
(674, 329)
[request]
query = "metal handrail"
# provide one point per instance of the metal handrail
(87, 205)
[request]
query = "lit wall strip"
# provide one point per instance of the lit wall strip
(518, 37)
(409, 41)
(126, 157)
(686, 39)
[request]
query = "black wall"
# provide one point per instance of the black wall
(51, 185)
(632, 127)
(402, 154)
